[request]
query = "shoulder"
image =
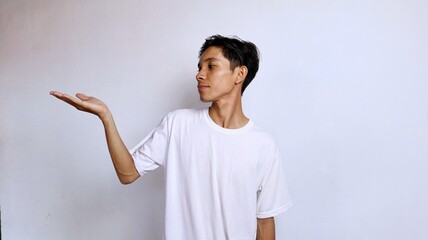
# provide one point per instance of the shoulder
(185, 115)
(185, 112)
(263, 135)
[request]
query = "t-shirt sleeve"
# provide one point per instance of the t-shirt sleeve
(151, 152)
(273, 197)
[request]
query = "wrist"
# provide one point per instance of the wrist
(106, 117)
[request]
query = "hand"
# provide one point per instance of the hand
(84, 103)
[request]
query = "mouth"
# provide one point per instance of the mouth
(202, 87)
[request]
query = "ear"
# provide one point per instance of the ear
(242, 73)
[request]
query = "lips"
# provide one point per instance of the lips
(202, 87)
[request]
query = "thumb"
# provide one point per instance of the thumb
(82, 96)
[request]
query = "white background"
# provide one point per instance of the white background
(342, 86)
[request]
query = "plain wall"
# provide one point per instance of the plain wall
(342, 86)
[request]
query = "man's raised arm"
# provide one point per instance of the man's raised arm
(122, 159)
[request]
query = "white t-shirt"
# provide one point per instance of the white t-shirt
(218, 180)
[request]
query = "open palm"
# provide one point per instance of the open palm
(83, 103)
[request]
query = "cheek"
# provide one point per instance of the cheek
(221, 87)
(226, 79)
(221, 82)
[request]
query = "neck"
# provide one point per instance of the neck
(228, 114)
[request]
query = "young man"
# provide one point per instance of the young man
(223, 174)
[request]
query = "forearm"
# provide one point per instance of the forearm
(122, 159)
(265, 229)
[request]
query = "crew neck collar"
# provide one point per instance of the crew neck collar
(218, 128)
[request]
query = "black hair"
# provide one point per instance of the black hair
(238, 52)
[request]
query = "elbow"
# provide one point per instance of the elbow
(125, 180)
(127, 177)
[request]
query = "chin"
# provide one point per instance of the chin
(205, 100)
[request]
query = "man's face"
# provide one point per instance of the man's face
(215, 78)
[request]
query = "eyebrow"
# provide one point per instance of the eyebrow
(208, 60)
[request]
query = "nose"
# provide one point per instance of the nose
(200, 75)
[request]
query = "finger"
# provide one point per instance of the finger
(55, 93)
(75, 102)
(82, 96)
(65, 97)
(71, 99)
